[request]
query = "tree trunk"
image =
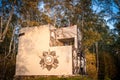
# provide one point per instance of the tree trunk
(7, 25)
(0, 28)
(97, 59)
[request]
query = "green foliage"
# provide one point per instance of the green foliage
(4, 46)
(7, 68)
(90, 37)
(91, 65)
(66, 13)
(110, 68)
(107, 78)
(107, 67)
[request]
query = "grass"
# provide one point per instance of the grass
(56, 78)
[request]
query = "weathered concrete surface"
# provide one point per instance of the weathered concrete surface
(32, 43)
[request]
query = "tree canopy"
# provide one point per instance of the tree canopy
(91, 17)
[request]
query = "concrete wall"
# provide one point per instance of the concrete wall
(32, 43)
(68, 32)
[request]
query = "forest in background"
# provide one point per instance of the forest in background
(100, 43)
